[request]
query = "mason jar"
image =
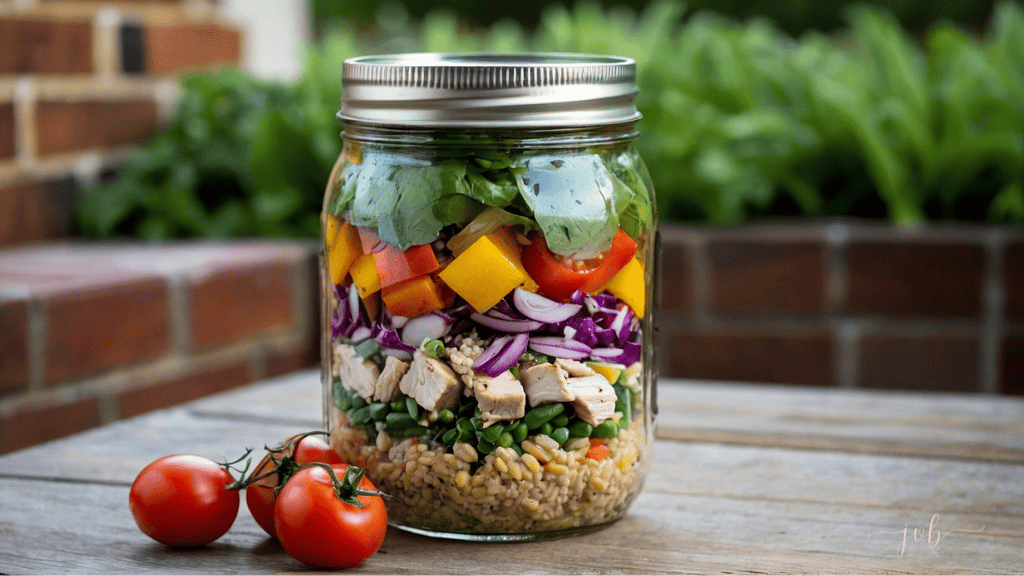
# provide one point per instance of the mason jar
(488, 266)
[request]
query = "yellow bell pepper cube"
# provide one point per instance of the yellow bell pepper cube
(486, 271)
(609, 371)
(372, 305)
(629, 286)
(342, 248)
(364, 275)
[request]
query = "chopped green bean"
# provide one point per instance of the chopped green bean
(520, 432)
(413, 408)
(606, 429)
(358, 402)
(541, 414)
(505, 440)
(545, 429)
(580, 429)
(560, 421)
(398, 405)
(451, 437)
(398, 420)
(378, 410)
(360, 415)
(492, 432)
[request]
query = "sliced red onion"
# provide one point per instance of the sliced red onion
(389, 338)
(335, 325)
(605, 300)
(504, 307)
(492, 313)
(577, 297)
(492, 351)
(503, 325)
(541, 308)
(585, 330)
(605, 336)
(560, 347)
(627, 355)
(505, 357)
(432, 326)
(354, 308)
(400, 354)
(360, 333)
(398, 321)
(621, 325)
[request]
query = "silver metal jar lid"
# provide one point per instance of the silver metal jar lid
(489, 90)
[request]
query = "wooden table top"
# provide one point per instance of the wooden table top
(746, 478)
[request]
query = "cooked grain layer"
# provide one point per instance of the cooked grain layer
(548, 488)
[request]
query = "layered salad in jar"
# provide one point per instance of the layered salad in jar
(490, 332)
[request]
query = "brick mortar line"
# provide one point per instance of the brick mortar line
(121, 379)
(700, 268)
(993, 310)
(780, 323)
(37, 336)
(845, 337)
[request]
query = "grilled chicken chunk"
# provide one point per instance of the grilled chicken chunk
(387, 384)
(356, 373)
(432, 383)
(574, 368)
(595, 398)
(500, 398)
(546, 383)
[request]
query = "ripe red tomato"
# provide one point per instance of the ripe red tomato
(318, 528)
(184, 500)
(558, 277)
(260, 495)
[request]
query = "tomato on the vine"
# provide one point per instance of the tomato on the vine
(322, 524)
(184, 500)
(297, 450)
(558, 277)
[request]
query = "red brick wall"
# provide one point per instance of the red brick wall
(81, 81)
(845, 304)
(94, 332)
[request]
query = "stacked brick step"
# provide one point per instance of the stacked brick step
(93, 332)
(81, 82)
(846, 304)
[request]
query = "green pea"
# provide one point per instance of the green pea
(492, 432)
(606, 429)
(360, 415)
(378, 410)
(545, 428)
(484, 447)
(446, 416)
(398, 420)
(560, 421)
(451, 437)
(560, 435)
(358, 402)
(541, 414)
(520, 432)
(413, 408)
(580, 429)
(505, 440)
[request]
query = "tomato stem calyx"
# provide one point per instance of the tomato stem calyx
(347, 488)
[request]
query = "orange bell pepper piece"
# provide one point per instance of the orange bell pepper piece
(416, 296)
(342, 247)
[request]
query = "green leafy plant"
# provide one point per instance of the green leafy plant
(740, 121)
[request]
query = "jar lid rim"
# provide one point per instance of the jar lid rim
(542, 89)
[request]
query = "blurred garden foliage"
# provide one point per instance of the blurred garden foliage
(740, 121)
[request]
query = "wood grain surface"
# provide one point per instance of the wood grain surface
(746, 479)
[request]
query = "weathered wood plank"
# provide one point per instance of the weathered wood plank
(116, 453)
(907, 424)
(51, 527)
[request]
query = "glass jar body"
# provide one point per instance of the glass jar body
(489, 309)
